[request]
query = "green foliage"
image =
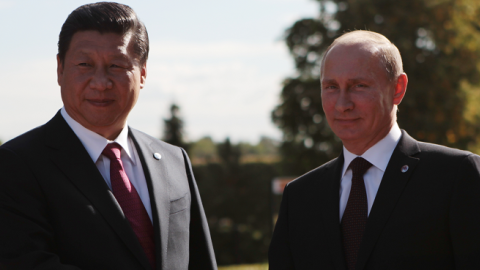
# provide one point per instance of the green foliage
(238, 210)
(173, 132)
(236, 198)
(230, 156)
(440, 45)
(203, 149)
(266, 146)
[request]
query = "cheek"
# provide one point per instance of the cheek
(69, 95)
(130, 95)
(74, 86)
(376, 109)
(327, 103)
(384, 103)
(134, 98)
(369, 102)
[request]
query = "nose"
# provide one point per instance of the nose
(344, 102)
(100, 80)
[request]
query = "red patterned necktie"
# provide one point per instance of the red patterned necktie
(130, 201)
(356, 212)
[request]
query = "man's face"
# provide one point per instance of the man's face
(357, 96)
(100, 80)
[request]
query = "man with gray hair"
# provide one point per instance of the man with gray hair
(85, 190)
(388, 201)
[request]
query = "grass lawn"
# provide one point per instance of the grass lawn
(245, 267)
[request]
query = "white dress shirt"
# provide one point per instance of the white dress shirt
(94, 144)
(379, 156)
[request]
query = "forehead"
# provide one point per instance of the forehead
(94, 42)
(353, 60)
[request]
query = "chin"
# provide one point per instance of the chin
(349, 135)
(97, 122)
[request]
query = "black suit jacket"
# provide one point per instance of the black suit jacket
(57, 212)
(425, 218)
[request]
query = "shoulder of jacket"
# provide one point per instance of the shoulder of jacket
(314, 174)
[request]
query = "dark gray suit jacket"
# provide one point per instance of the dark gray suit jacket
(425, 218)
(57, 212)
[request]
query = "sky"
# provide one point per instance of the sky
(221, 61)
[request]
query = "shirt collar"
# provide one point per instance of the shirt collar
(379, 154)
(95, 143)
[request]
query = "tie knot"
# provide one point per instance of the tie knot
(359, 166)
(112, 151)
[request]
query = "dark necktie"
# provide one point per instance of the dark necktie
(356, 212)
(130, 201)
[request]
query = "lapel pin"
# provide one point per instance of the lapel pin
(157, 156)
(404, 168)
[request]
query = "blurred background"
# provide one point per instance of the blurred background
(236, 83)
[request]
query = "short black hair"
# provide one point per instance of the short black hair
(105, 17)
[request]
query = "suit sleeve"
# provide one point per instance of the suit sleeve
(201, 251)
(465, 215)
(26, 237)
(279, 255)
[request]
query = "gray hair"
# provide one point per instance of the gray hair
(388, 53)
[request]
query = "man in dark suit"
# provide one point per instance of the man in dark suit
(86, 191)
(388, 201)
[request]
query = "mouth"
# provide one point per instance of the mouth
(346, 120)
(100, 102)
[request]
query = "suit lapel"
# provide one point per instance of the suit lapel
(393, 183)
(73, 160)
(156, 174)
(331, 216)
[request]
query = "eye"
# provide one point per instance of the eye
(117, 66)
(329, 87)
(83, 64)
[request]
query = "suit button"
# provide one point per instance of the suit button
(157, 156)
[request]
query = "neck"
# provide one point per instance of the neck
(109, 135)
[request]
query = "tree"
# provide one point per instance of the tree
(229, 155)
(173, 132)
(440, 46)
(203, 151)
(236, 201)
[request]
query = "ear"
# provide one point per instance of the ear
(59, 71)
(143, 75)
(400, 88)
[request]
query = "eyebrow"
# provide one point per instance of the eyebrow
(361, 79)
(354, 80)
(116, 56)
(328, 81)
